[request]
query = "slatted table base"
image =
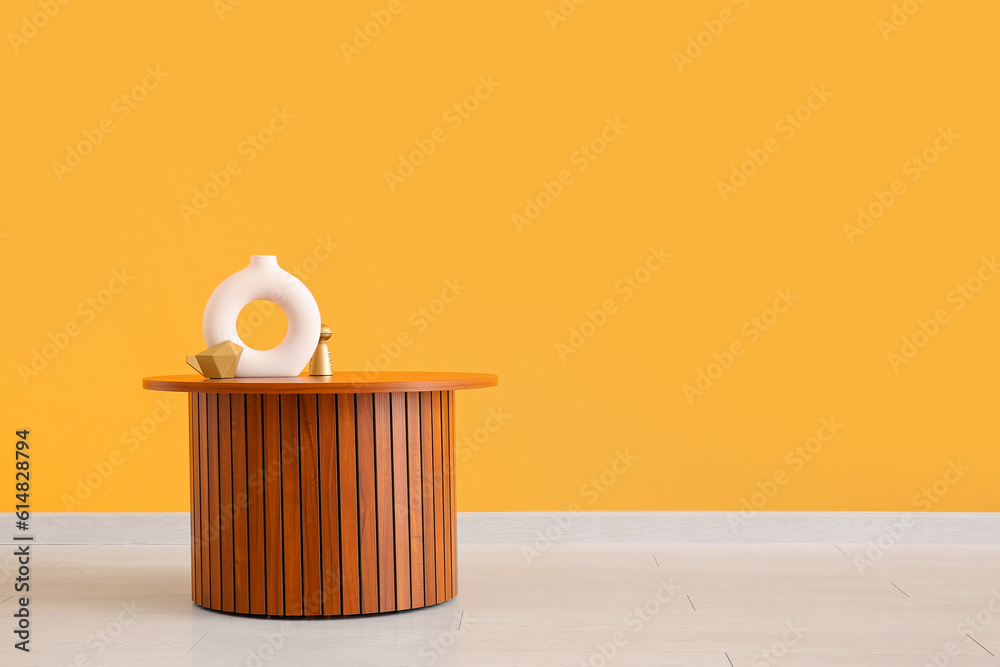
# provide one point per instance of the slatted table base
(322, 504)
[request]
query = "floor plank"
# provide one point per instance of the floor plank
(703, 605)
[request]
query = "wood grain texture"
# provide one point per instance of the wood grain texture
(451, 550)
(429, 508)
(273, 560)
(940, 528)
(554, 611)
(224, 529)
(291, 504)
(214, 557)
(257, 562)
(349, 541)
(329, 503)
(367, 502)
(241, 563)
(415, 457)
(322, 504)
(204, 543)
(454, 495)
(346, 382)
(400, 493)
(312, 586)
(437, 450)
(195, 522)
(385, 512)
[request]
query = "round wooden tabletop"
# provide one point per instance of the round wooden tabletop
(344, 382)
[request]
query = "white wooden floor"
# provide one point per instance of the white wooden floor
(635, 605)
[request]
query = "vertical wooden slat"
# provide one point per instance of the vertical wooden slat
(255, 505)
(427, 475)
(454, 497)
(312, 604)
(415, 458)
(349, 555)
(193, 422)
(306, 504)
(225, 519)
(241, 579)
(439, 509)
(446, 474)
(272, 504)
(206, 570)
(213, 501)
(291, 535)
(386, 512)
(366, 503)
(329, 503)
(400, 493)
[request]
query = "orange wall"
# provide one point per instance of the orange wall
(698, 204)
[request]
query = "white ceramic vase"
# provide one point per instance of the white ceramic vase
(265, 280)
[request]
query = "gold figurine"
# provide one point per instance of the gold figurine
(322, 362)
(218, 361)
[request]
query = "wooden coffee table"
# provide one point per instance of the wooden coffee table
(322, 496)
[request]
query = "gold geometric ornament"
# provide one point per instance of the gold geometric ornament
(218, 361)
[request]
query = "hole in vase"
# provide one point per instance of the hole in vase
(262, 325)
